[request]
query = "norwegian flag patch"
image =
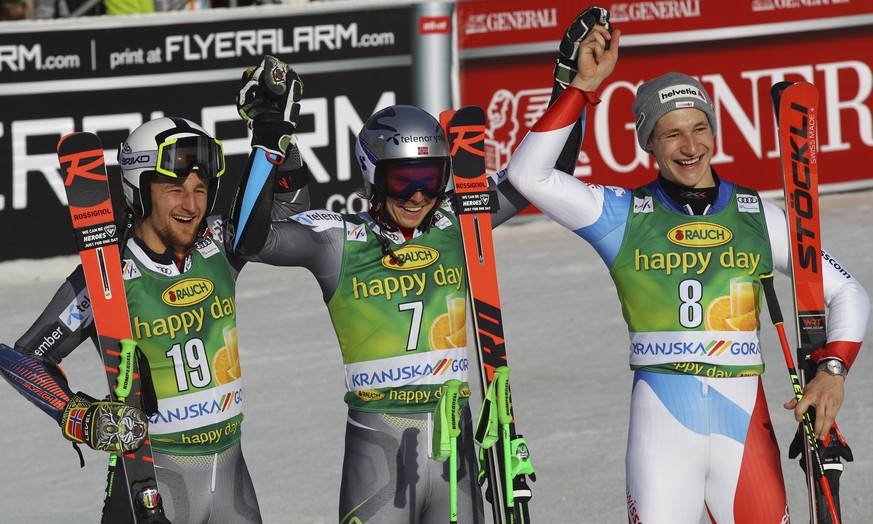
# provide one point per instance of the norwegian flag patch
(74, 422)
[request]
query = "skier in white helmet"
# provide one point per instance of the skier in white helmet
(171, 170)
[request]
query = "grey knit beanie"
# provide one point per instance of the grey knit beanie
(659, 96)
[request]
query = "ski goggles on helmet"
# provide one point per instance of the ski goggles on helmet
(401, 180)
(178, 157)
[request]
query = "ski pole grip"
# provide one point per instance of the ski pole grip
(504, 412)
(772, 301)
(124, 382)
(453, 395)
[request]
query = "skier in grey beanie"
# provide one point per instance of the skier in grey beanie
(687, 399)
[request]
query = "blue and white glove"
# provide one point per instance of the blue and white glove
(269, 102)
(103, 425)
(565, 65)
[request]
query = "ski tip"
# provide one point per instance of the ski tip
(464, 114)
(776, 94)
(80, 140)
(778, 88)
(474, 113)
(464, 128)
(465, 132)
(445, 118)
(63, 138)
(803, 91)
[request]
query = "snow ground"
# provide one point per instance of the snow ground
(565, 338)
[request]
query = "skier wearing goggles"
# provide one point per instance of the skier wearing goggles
(180, 156)
(409, 233)
(171, 170)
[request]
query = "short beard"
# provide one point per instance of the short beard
(173, 239)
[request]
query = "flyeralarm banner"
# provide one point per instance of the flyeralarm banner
(737, 49)
(110, 74)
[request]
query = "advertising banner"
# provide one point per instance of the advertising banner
(108, 75)
(737, 49)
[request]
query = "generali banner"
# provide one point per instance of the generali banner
(738, 50)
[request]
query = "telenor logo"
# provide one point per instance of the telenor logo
(700, 234)
(411, 257)
(187, 292)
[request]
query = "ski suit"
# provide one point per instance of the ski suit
(185, 444)
(399, 320)
(700, 431)
(183, 317)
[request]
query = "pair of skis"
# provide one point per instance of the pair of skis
(97, 238)
(796, 108)
(505, 455)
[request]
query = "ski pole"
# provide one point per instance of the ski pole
(125, 369)
(453, 392)
(806, 423)
(447, 428)
(504, 417)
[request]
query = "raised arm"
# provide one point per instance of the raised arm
(593, 212)
(273, 185)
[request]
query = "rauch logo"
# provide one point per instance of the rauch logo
(411, 257)
(700, 234)
(187, 292)
(369, 395)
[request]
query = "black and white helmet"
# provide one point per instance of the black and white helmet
(401, 150)
(172, 147)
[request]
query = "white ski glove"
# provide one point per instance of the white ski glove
(103, 425)
(269, 102)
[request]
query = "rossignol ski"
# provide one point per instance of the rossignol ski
(97, 238)
(796, 107)
(506, 461)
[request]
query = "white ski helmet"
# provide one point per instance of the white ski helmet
(402, 149)
(172, 147)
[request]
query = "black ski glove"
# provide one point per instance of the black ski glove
(566, 69)
(103, 425)
(565, 65)
(269, 102)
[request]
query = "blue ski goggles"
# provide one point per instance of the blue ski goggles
(178, 157)
(402, 179)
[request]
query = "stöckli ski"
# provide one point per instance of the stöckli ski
(796, 109)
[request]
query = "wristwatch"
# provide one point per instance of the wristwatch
(833, 366)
